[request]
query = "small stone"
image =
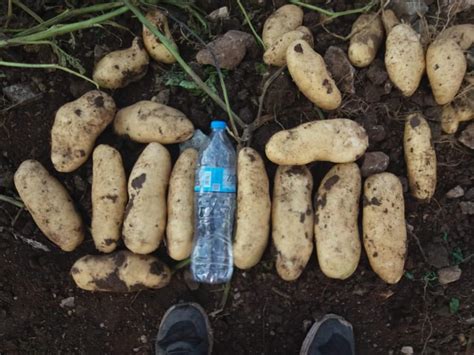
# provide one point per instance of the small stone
(219, 14)
(143, 339)
(455, 192)
(19, 92)
(341, 69)
(407, 350)
(189, 281)
(467, 207)
(236, 296)
(307, 325)
(67, 302)
(373, 163)
(469, 195)
(467, 136)
(449, 274)
(376, 133)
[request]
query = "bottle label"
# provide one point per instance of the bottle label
(213, 179)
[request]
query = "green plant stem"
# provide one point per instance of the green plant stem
(181, 264)
(27, 10)
(333, 14)
(12, 201)
(247, 18)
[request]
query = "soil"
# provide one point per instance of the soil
(263, 314)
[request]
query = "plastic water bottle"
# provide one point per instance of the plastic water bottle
(214, 201)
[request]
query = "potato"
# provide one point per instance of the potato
(404, 58)
(76, 127)
(145, 214)
(292, 220)
(420, 157)
(446, 62)
(180, 227)
(335, 221)
(389, 20)
(120, 68)
(49, 204)
(366, 41)
(460, 110)
(155, 48)
(252, 223)
(337, 140)
(276, 54)
(285, 19)
(384, 229)
(149, 121)
(109, 197)
(309, 72)
(122, 271)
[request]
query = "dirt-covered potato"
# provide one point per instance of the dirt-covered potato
(155, 48)
(366, 41)
(292, 220)
(120, 68)
(283, 20)
(384, 229)
(49, 204)
(122, 271)
(76, 127)
(335, 221)
(446, 63)
(404, 58)
(420, 157)
(460, 110)
(109, 197)
(276, 54)
(310, 74)
(180, 226)
(149, 121)
(252, 222)
(145, 214)
(337, 140)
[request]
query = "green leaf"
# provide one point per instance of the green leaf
(457, 256)
(409, 275)
(261, 68)
(454, 305)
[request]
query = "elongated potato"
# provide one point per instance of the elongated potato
(335, 222)
(76, 127)
(337, 140)
(148, 121)
(122, 271)
(155, 48)
(283, 20)
(384, 229)
(420, 157)
(309, 72)
(49, 204)
(180, 227)
(252, 223)
(109, 197)
(276, 54)
(292, 220)
(366, 41)
(120, 68)
(145, 214)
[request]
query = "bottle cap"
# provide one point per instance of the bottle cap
(218, 125)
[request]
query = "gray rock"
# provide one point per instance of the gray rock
(455, 192)
(407, 350)
(20, 92)
(341, 69)
(373, 163)
(467, 136)
(467, 207)
(219, 14)
(449, 274)
(437, 255)
(67, 302)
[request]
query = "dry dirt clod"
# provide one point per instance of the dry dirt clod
(341, 69)
(449, 274)
(455, 192)
(467, 136)
(20, 92)
(374, 162)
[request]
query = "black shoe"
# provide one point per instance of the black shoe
(332, 335)
(184, 330)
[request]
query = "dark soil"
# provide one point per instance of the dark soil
(263, 314)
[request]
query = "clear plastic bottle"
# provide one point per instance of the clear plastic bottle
(214, 201)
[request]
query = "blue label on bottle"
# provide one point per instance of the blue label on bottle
(213, 179)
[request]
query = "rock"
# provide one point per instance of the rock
(189, 281)
(341, 69)
(373, 163)
(437, 255)
(467, 136)
(229, 49)
(455, 192)
(307, 325)
(449, 274)
(219, 14)
(469, 195)
(377, 73)
(376, 133)
(467, 207)
(67, 302)
(407, 350)
(21, 92)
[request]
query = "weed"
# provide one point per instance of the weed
(409, 275)
(261, 68)
(457, 256)
(454, 305)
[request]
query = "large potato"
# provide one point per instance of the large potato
(283, 20)
(50, 205)
(180, 227)
(145, 214)
(252, 223)
(404, 58)
(384, 229)
(148, 121)
(337, 140)
(367, 38)
(76, 127)
(109, 197)
(420, 157)
(122, 271)
(276, 54)
(335, 221)
(120, 68)
(292, 220)
(309, 72)
(155, 48)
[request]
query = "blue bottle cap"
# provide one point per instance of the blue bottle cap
(218, 125)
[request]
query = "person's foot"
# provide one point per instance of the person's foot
(332, 335)
(184, 330)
